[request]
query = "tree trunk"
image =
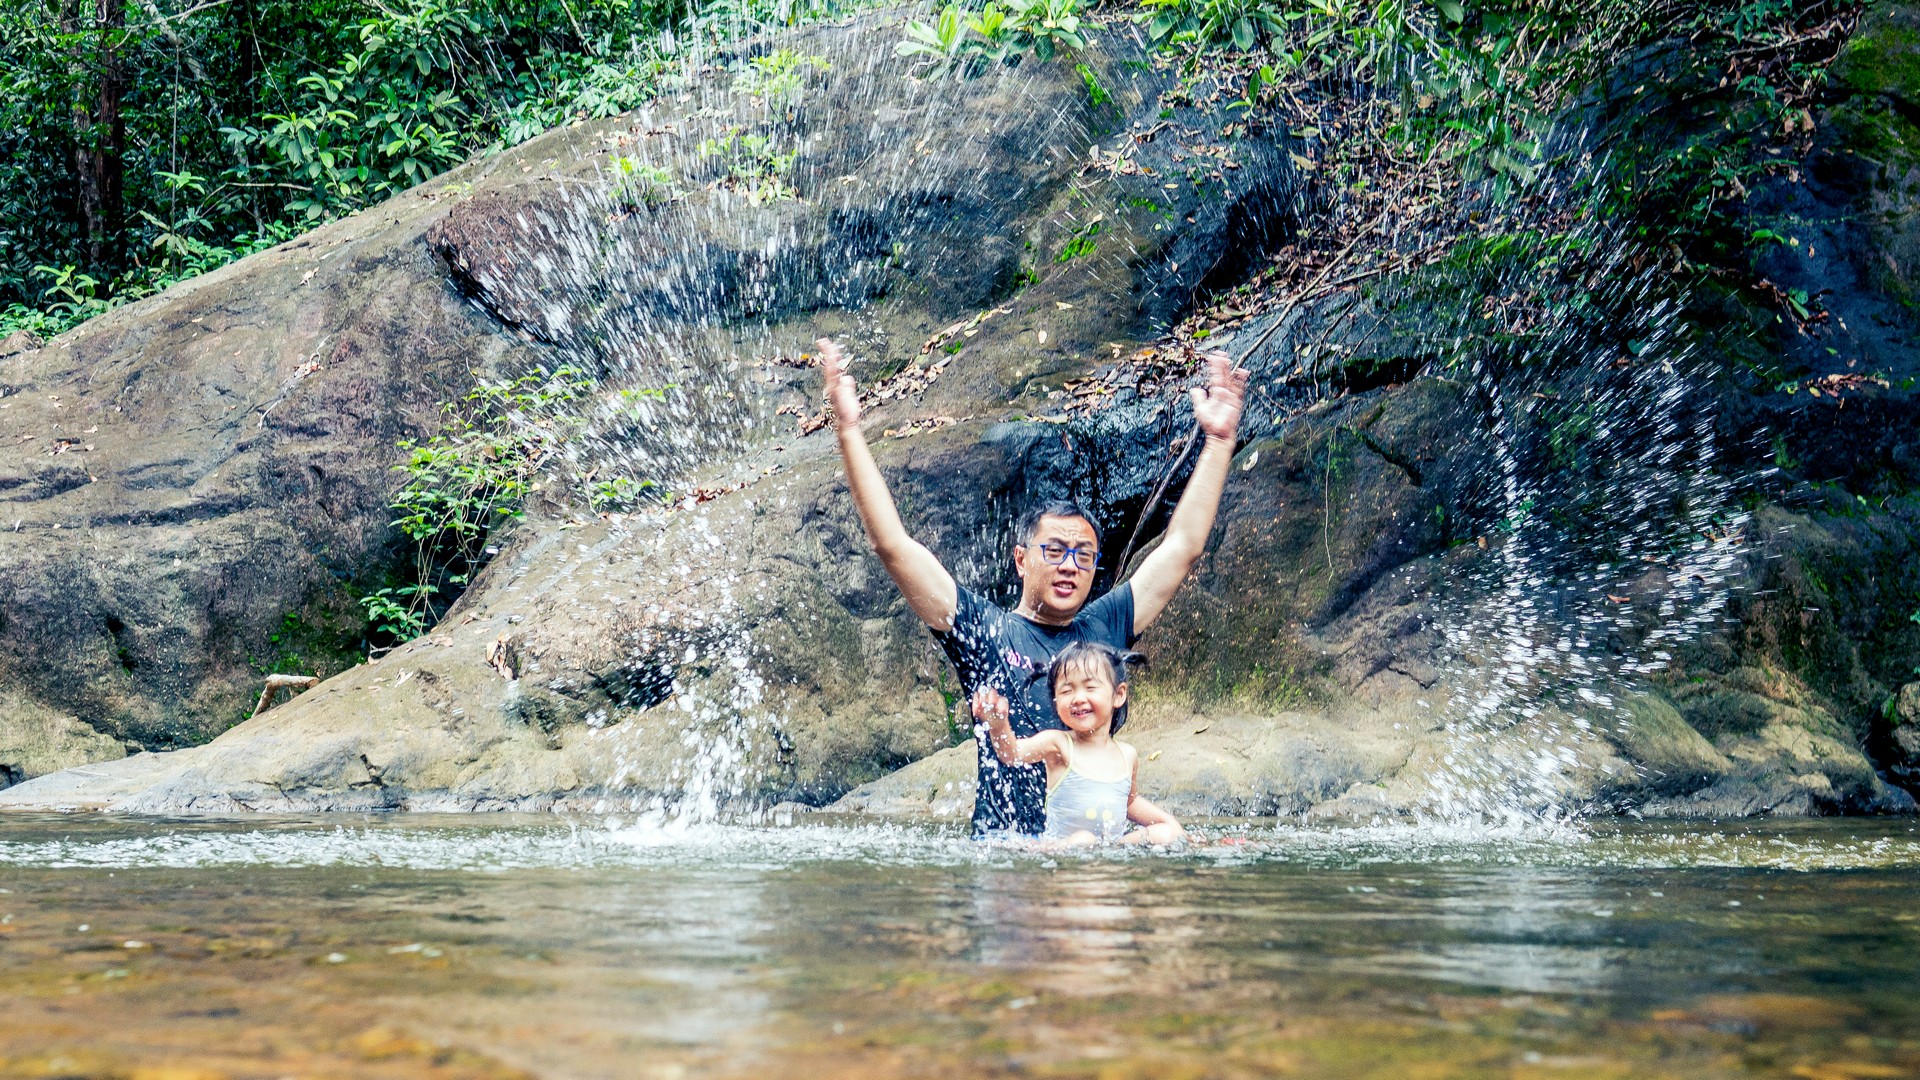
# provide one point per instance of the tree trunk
(99, 128)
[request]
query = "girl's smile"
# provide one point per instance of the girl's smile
(1086, 702)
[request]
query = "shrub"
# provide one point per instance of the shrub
(967, 44)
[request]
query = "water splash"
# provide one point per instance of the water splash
(455, 843)
(682, 276)
(1610, 537)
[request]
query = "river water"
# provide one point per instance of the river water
(151, 949)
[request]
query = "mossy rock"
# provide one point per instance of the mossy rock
(1883, 56)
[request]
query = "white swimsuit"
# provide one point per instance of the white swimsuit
(1081, 803)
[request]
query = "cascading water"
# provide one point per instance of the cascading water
(1610, 538)
(721, 212)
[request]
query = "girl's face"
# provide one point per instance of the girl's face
(1085, 698)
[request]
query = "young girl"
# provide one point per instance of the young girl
(1091, 790)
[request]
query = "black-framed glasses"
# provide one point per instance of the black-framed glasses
(1086, 558)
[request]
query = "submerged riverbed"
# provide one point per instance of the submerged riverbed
(501, 947)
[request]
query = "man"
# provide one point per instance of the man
(997, 653)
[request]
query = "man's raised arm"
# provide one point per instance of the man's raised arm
(929, 589)
(1217, 410)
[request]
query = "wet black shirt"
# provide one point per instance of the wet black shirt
(992, 647)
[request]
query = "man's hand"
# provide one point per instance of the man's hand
(927, 586)
(1217, 408)
(841, 392)
(1216, 411)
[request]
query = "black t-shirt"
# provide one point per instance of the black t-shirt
(992, 647)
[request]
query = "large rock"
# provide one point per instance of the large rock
(35, 740)
(194, 484)
(1903, 716)
(746, 643)
(919, 203)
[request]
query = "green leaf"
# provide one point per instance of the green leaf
(1243, 35)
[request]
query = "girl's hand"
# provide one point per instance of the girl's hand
(990, 711)
(841, 392)
(990, 705)
(1166, 834)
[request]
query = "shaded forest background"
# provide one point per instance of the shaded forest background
(145, 141)
(1486, 172)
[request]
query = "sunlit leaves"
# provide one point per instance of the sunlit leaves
(476, 473)
(996, 34)
(778, 78)
(753, 164)
(293, 112)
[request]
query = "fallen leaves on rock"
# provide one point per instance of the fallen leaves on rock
(963, 328)
(912, 380)
(1840, 383)
(925, 423)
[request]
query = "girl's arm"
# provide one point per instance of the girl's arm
(1160, 827)
(991, 706)
(1141, 811)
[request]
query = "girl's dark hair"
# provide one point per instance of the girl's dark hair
(1080, 654)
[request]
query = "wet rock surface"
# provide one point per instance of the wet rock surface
(745, 643)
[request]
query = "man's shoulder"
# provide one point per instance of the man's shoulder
(1113, 611)
(972, 610)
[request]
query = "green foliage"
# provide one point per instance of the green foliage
(969, 43)
(621, 494)
(321, 637)
(396, 612)
(636, 185)
(1097, 95)
(1696, 103)
(474, 475)
(1082, 242)
(946, 40)
(1255, 93)
(71, 297)
(955, 708)
(1241, 24)
(778, 78)
(46, 324)
(1783, 457)
(219, 129)
(479, 467)
(1044, 27)
(753, 166)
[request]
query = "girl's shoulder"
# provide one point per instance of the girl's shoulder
(1052, 739)
(1127, 751)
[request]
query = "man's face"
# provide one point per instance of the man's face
(1057, 591)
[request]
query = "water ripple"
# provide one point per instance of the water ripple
(594, 844)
